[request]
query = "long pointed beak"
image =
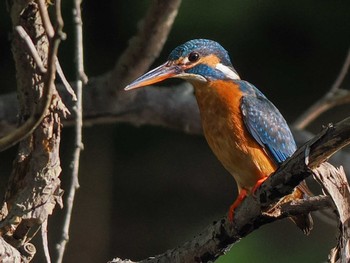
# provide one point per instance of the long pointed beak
(164, 71)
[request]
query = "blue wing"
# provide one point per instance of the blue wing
(266, 124)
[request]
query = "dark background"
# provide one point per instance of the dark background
(145, 190)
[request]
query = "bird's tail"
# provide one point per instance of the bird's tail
(303, 221)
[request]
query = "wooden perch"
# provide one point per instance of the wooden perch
(249, 216)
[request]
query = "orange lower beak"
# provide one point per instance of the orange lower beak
(158, 74)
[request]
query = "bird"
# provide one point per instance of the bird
(245, 131)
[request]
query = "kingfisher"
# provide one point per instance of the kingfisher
(245, 131)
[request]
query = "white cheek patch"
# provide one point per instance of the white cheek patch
(227, 71)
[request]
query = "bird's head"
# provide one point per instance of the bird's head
(198, 60)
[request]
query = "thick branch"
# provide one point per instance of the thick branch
(34, 187)
(174, 107)
(217, 238)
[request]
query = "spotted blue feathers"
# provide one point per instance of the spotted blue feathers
(266, 124)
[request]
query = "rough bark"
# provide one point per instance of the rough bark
(253, 212)
(34, 187)
(335, 184)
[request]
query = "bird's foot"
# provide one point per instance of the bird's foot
(240, 198)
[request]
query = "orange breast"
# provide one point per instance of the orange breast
(227, 136)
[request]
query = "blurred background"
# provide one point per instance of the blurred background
(148, 189)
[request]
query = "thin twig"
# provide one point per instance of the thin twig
(342, 74)
(50, 32)
(334, 97)
(59, 20)
(45, 241)
(26, 38)
(65, 82)
(78, 129)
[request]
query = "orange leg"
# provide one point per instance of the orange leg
(241, 196)
(258, 183)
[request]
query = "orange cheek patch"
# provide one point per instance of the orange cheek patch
(210, 60)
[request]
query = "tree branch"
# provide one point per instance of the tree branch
(334, 97)
(34, 187)
(37, 115)
(80, 75)
(218, 237)
(157, 107)
(146, 45)
(335, 184)
(250, 215)
(173, 108)
(31, 48)
(100, 106)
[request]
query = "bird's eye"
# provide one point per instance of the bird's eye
(193, 56)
